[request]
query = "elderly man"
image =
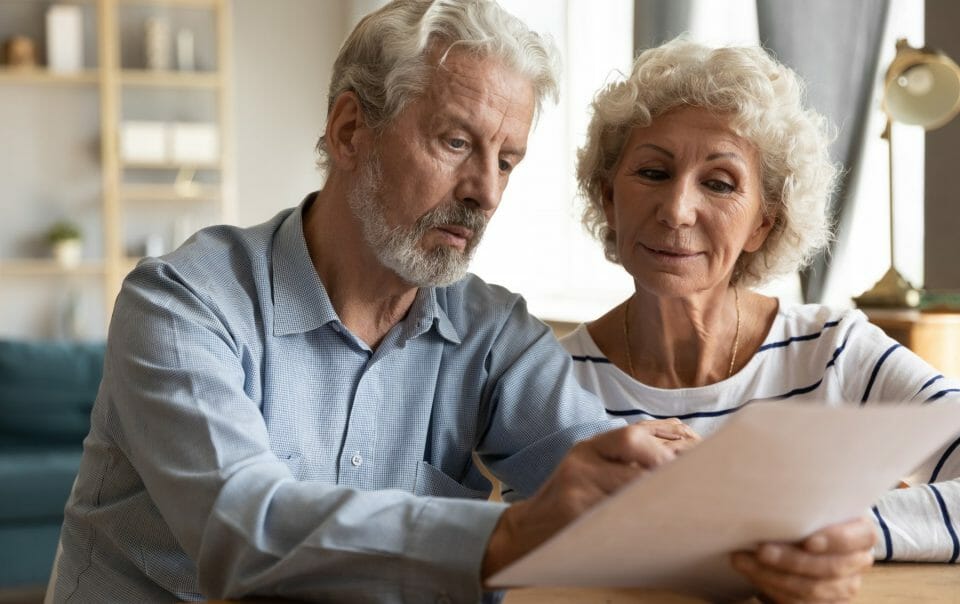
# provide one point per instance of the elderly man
(292, 409)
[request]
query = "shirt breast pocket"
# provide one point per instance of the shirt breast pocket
(433, 482)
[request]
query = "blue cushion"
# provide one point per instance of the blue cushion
(36, 484)
(47, 390)
(26, 556)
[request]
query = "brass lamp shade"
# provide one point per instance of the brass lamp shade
(921, 88)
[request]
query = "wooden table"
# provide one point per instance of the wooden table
(934, 336)
(884, 584)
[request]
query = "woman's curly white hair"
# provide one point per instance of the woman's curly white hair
(764, 100)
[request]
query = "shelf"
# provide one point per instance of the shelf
(170, 79)
(47, 268)
(40, 75)
(170, 193)
(168, 165)
(188, 3)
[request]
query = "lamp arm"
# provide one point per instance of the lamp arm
(888, 136)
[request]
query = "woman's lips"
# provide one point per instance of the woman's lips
(669, 254)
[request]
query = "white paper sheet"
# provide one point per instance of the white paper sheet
(774, 472)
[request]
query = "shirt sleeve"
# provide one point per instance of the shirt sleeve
(174, 376)
(920, 522)
(534, 399)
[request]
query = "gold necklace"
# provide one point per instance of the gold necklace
(733, 351)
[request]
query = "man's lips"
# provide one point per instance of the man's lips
(454, 235)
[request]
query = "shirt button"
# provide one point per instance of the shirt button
(357, 459)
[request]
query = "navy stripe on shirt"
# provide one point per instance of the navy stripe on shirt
(778, 397)
(946, 520)
(943, 460)
(887, 541)
(628, 412)
(589, 359)
(809, 336)
(876, 370)
(939, 376)
(941, 394)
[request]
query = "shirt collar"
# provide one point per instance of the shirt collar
(301, 302)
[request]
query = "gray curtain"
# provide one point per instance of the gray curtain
(656, 21)
(834, 46)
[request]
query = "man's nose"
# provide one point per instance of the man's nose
(677, 207)
(481, 183)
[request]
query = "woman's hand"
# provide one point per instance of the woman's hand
(825, 567)
(676, 435)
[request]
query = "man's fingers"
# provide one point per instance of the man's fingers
(610, 476)
(852, 536)
(787, 587)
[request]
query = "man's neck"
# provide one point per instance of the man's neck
(368, 297)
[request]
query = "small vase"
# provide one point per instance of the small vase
(157, 46)
(68, 252)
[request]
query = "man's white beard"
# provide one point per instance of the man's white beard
(398, 248)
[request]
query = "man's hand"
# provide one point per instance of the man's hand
(589, 473)
(676, 435)
(824, 567)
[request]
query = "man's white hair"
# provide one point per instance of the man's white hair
(386, 59)
(764, 100)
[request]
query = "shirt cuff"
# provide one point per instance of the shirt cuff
(452, 535)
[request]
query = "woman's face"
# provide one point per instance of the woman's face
(685, 201)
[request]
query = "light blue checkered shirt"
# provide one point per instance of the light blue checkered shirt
(245, 442)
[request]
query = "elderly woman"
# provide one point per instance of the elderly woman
(704, 176)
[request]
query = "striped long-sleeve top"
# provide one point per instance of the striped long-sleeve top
(818, 354)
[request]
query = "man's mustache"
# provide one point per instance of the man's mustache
(454, 214)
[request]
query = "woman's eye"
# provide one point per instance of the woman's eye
(719, 186)
(652, 174)
(457, 143)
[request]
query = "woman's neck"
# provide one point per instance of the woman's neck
(684, 342)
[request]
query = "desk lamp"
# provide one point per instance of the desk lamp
(921, 88)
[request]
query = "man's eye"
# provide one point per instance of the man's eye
(719, 186)
(457, 143)
(505, 166)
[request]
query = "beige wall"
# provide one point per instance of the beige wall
(283, 53)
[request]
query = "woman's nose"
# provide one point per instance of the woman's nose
(677, 207)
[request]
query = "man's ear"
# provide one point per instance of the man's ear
(345, 129)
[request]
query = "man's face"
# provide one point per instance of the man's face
(435, 175)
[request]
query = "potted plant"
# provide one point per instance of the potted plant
(66, 243)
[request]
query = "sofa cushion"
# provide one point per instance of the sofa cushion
(36, 484)
(47, 390)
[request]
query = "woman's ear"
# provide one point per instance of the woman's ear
(345, 126)
(606, 196)
(759, 235)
